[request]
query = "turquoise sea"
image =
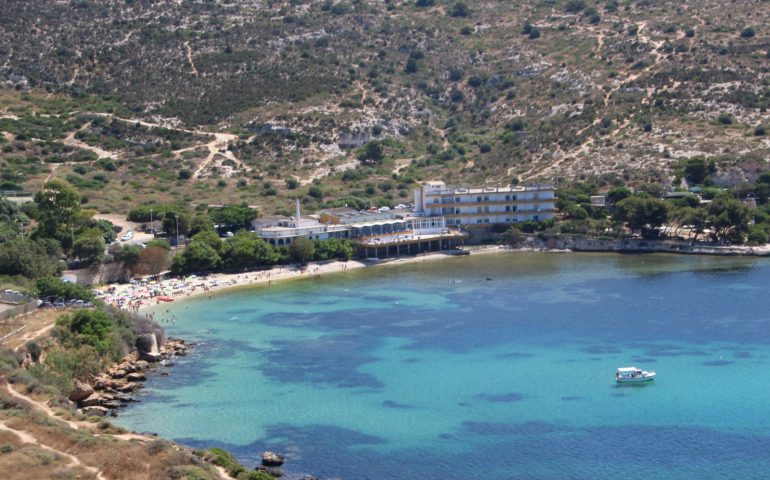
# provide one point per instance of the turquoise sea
(494, 367)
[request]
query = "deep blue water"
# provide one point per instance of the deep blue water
(492, 367)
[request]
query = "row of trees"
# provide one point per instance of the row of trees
(206, 251)
(62, 226)
(723, 216)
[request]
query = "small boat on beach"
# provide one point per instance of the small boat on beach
(633, 375)
(165, 299)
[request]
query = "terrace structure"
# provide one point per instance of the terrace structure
(411, 236)
(484, 206)
(281, 231)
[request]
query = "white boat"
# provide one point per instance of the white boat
(633, 375)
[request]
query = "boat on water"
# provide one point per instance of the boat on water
(633, 375)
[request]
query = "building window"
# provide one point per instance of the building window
(478, 199)
(515, 208)
(514, 198)
(507, 208)
(507, 197)
(486, 198)
(478, 209)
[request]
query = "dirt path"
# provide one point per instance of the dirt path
(35, 334)
(189, 58)
(43, 407)
(218, 146)
(73, 461)
(74, 142)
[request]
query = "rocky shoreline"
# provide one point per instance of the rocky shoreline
(114, 388)
(638, 245)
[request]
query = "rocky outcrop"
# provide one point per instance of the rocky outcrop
(272, 459)
(273, 472)
(95, 411)
(147, 347)
(114, 387)
(648, 245)
(81, 391)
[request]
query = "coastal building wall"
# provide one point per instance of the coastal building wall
(485, 206)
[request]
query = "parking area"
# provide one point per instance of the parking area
(138, 236)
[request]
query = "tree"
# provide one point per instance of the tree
(747, 32)
(210, 238)
(152, 261)
(50, 286)
(696, 169)
(56, 205)
(729, 218)
(90, 249)
(172, 219)
(86, 327)
(757, 235)
(302, 250)
(159, 242)
(513, 237)
(460, 9)
(106, 229)
(651, 188)
(128, 254)
(372, 153)
(333, 248)
(411, 65)
(245, 249)
(574, 6)
(641, 213)
(27, 257)
(616, 194)
(239, 216)
(198, 256)
(12, 220)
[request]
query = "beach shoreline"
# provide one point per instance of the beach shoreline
(140, 297)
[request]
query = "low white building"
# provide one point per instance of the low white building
(283, 231)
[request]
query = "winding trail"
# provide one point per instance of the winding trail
(71, 141)
(28, 438)
(189, 58)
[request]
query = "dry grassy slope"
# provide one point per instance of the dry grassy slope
(622, 91)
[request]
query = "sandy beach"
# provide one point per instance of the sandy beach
(143, 294)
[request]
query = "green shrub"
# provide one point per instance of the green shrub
(747, 32)
(725, 119)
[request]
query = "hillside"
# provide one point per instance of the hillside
(258, 102)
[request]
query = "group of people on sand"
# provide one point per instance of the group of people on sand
(142, 293)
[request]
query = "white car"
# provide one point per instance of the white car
(128, 235)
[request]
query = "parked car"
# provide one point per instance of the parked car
(128, 235)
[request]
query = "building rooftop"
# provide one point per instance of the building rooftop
(439, 188)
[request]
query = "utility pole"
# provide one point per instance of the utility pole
(151, 219)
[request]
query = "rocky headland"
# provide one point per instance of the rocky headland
(114, 388)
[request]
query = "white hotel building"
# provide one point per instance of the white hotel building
(486, 206)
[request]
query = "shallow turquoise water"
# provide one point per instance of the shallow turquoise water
(493, 367)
